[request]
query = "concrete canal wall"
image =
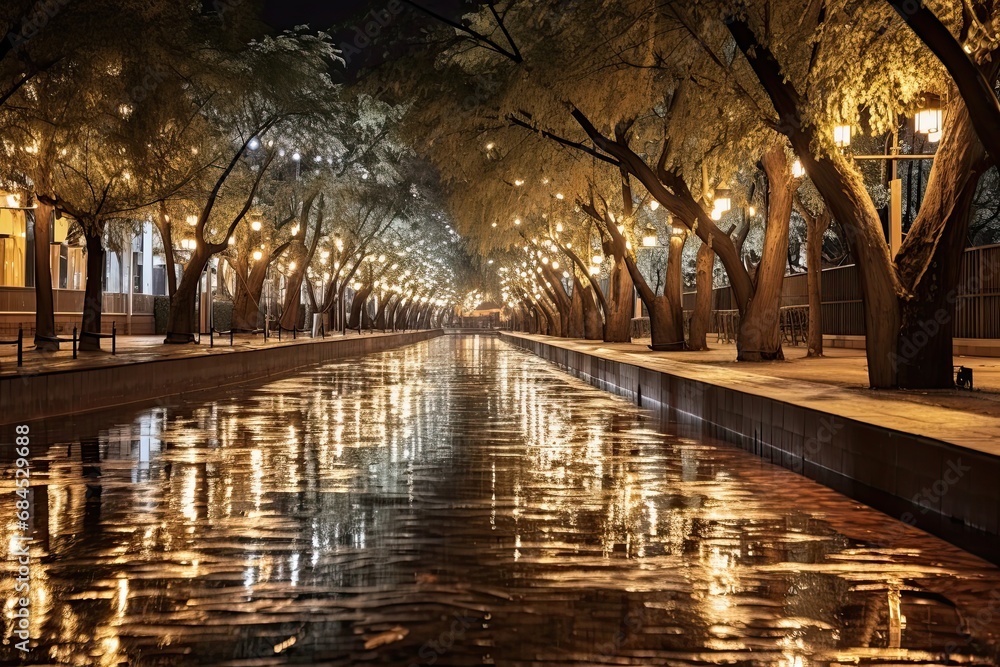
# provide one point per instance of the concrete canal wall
(49, 394)
(939, 487)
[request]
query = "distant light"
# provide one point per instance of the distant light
(798, 171)
(654, 204)
(494, 224)
(296, 156)
(257, 254)
(517, 221)
(192, 220)
(559, 196)
(519, 182)
(751, 211)
(490, 146)
(255, 225)
(254, 144)
(649, 238)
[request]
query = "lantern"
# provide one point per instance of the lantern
(723, 201)
(928, 120)
(842, 136)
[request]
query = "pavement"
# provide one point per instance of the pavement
(139, 349)
(836, 384)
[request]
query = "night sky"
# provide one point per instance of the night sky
(321, 15)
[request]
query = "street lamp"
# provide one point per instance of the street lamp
(723, 200)
(842, 136)
(929, 119)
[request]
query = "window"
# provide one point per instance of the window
(13, 248)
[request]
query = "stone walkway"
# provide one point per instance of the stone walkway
(138, 349)
(836, 384)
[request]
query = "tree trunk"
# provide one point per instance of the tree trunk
(621, 292)
(93, 296)
(166, 237)
(357, 304)
(577, 316)
(666, 325)
(929, 261)
(182, 323)
(759, 336)
(815, 231)
(666, 313)
(701, 319)
(593, 325)
(246, 301)
(45, 318)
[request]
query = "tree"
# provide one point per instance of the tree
(909, 306)
(277, 91)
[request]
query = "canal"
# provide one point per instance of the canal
(460, 502)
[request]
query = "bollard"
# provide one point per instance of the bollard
(20, 346)
(74, 342)
(295, 331)
(211, 336)
(114, 337)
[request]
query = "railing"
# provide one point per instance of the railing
(22, 300)
(977, 312)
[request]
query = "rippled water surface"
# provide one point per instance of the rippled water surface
(460, 502)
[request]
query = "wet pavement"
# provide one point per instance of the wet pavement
(459, 502)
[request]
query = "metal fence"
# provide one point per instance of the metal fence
(977, 309)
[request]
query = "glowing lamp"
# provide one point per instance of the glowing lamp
(255, 225)
(842, 136)
(928, 119)
(257, 255)
(59, 230)
(723, 200)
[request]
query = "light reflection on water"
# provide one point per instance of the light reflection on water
(460, 502)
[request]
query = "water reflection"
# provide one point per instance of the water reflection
(460, 502)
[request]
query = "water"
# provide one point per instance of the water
(460, 502)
